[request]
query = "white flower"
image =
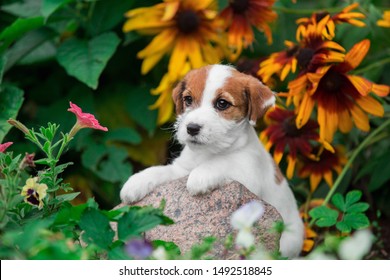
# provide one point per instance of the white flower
(243, 219)
(160, 253)
(356, 246)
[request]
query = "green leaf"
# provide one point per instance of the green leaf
(23, 8)
(97, 228)
(343, 227)
(338, 201)
(125, 134)
(93, 155)
(86, 60)
(352, 197)
(358, 207)
(3, 62)
(11, 99)
(133, 223)
(170, 247)
(139, 100)
(107, 14)
(67, 197)
(50, 6)
(356, 220)
(324, 216)
(18, 28)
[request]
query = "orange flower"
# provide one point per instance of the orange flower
(312, 51)
(282, 134)
(329, 22)
(322, 166)
(188, 30)
(341, 97)
(241, 15)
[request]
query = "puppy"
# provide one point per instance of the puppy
(217, 107)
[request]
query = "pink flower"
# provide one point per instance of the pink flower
(84, 120)
(4, 146)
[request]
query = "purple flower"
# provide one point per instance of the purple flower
(139, 248)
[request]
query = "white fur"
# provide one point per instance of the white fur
(223, 151)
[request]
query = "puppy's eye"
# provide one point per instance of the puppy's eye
(222, 104)
(187, 100)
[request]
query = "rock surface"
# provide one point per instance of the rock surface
(200, 216)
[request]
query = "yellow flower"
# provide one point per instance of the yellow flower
(328, 26)
(341, 97)
(241, 15)
(33, 192)
(385, 22)
(186, 29)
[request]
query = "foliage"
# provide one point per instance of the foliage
(99, 56)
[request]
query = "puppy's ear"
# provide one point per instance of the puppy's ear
(259, 97)
(177, 96)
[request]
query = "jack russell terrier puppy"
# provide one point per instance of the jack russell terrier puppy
(217, 107)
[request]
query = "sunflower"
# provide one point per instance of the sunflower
(385, 22)
(329, 22)
(310, 52)
(322, 166)
(282, 134)
(241, 15)
(187, 29)
(342, 98)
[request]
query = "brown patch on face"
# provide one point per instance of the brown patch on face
(192, 85)
(233, 91)
(278, 174)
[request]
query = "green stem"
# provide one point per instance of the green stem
(352, 158)
(372, 66)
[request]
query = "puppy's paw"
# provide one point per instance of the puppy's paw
(200, 182)
(136, 188)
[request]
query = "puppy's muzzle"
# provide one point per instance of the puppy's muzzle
(193, 129)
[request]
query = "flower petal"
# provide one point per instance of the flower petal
(355, 56)
(345, 121)
(360, 118)
(305, 110)
(371, 106)
(362, 85)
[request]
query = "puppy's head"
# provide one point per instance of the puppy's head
(214, 103)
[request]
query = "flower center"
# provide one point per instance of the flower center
(290, 128)
(332, 81)
(304, 57)
(239, 6)
(292, 51)
(187, 21)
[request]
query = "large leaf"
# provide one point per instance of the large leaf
(324, 216)
(23, 8)
(381, 174)
(106, 15)
(11, 99)
(18, 28)
(86, 60)
(96, 228)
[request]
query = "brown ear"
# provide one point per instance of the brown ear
(177, 96)
(260, 99)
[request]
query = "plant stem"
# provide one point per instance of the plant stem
(372, 66)
(355, 153)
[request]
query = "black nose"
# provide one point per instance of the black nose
(193, 129)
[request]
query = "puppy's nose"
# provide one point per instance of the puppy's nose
(193, 129)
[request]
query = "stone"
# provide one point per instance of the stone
(209, 214)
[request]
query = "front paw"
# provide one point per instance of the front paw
(136, 188)
(200, 182)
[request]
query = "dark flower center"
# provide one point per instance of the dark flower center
(187, 21)
(292, 51)
(290, 128)
(30, 192)
(34, 200)
(332, 81)
(304, 57)
(320, 16)
(239, 6)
